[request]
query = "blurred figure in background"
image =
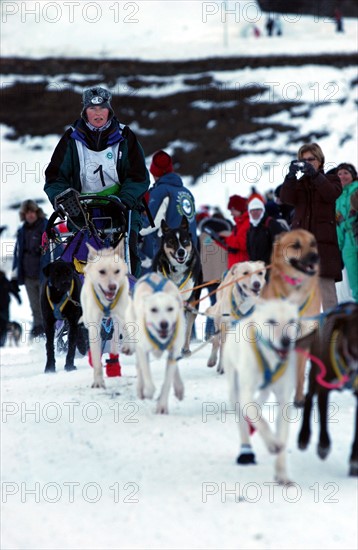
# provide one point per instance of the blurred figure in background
(236, 239)
(262, 232)
(29, 260)
(6, 289)
(346, 218)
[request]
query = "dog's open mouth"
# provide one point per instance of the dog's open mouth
(178, 259)
(282, 353)
(109, 294)
(308, 268)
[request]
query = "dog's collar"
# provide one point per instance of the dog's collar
(59, 307)
(293, 281)
(345, 375)
(269, 375)
(184, 280)
(107, 309)
(158, 344)
(235, 310)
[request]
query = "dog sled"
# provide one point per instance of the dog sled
(78, 220)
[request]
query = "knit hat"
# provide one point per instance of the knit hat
(256, 203)
(349, 167)
(161, 164)
(237, 202)
(96, 97)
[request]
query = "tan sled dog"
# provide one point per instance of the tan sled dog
(294, 275)
(158, 313)
(104, 295)
(235, 301)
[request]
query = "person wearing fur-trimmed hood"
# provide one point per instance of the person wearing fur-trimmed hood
(99, 155)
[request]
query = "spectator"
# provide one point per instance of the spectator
(270, 24)
(338, 20)
(213, 260)
(262, 232)
(169, 200)
(354, 205)
(285, 210)
(6, 289)
(314, 197)
(99, 155)
(236, 239)
(346, 217)
(29, 260)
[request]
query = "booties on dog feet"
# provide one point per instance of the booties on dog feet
(113, 367)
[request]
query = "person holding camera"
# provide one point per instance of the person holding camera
(313, 195)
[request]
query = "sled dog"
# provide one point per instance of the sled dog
(295, 275)
(104, 298)
(235, 301)
(266, 363)
(179, 261)
(157, 310)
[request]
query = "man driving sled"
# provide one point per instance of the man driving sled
(99, 155)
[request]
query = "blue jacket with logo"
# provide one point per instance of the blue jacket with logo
(181, 202)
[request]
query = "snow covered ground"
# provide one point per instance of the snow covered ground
(97, 469)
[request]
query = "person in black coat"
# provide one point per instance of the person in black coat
(262, 232)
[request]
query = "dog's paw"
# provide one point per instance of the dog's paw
(98, 383)
(299, 403)
(211, 362)
(179, 391)
(148, 391)
(186, 352)
(246, 458)
(69, 368)
(50, 368)
(282, 479)
(162, 408)
(353, 468)
(323, 451)
(220, 369)
(127, 349)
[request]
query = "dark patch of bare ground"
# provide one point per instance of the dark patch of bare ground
(203, 113)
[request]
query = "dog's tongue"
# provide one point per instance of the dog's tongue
(109, 295)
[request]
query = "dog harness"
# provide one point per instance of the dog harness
(158, 286)
(107, 321)
(304, 306)
(269, 375)
(184, 280)
(234, 310)
(59, 307)
(344, 375)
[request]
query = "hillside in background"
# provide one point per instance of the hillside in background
(197, 108)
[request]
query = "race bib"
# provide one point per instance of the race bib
(98, 169)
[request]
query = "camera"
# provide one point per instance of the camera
(300, 164)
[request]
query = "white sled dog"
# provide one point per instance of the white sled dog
(259, 358)
(157, 310)
(104, 296)
(235, 301)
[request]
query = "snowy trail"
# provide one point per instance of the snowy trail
(88, 468)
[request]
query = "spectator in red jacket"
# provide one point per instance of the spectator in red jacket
(236, 240)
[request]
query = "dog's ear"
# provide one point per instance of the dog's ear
(92, 253)
(119, 250)
(184, 224)
(164, 227)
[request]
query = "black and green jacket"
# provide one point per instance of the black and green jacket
(63, 172)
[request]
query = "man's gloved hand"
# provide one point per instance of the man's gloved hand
(308, 169)
(293, 169)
